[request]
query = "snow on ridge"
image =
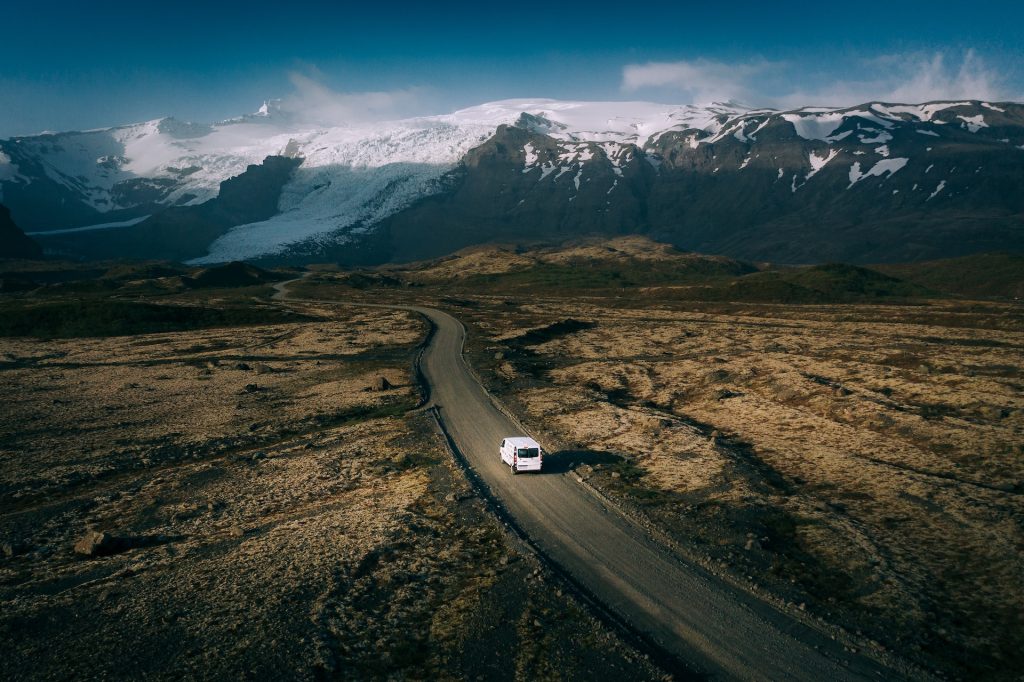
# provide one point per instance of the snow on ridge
(922, 112)
(632, 122)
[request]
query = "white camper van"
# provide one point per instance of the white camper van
(521, 454)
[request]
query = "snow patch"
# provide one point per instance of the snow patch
(881, 138)
(973, 123)
(883, 150)
(815, 127)
(819, 162)
(993, 107)
(927, 132)
(941, 186)
(531, 157)
(885, 167)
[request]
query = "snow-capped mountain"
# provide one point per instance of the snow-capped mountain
(718, 177)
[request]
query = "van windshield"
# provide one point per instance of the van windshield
(529, 452)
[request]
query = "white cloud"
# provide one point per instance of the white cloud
(930, 78)
(902, 78)
(703, 80)
(313, 102)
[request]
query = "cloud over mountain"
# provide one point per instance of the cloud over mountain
(898, 77)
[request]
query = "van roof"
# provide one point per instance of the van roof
(522, 442)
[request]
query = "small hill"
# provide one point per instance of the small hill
(234, 274)
(124, 272)
(832, 283)
(987, 275)
(13, 242)
(623, 262)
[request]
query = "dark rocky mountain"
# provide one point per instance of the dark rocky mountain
(13, 242)
(873, 190)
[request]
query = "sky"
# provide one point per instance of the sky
(73, 66)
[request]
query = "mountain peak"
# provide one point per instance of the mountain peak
(269, 109)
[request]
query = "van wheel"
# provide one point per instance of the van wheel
(514, 472)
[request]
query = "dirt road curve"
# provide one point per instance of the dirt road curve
(716, 629)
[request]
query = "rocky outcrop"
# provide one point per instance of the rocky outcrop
(13, 242)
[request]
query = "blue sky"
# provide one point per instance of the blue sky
(81, 65)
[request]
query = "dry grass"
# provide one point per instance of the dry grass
(304, 528)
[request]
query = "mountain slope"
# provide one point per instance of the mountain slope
(979, 276)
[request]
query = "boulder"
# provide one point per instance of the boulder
(100, 543)
(382, 384)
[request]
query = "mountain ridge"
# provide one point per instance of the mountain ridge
(817, 183)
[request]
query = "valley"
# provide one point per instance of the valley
(674, 342)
